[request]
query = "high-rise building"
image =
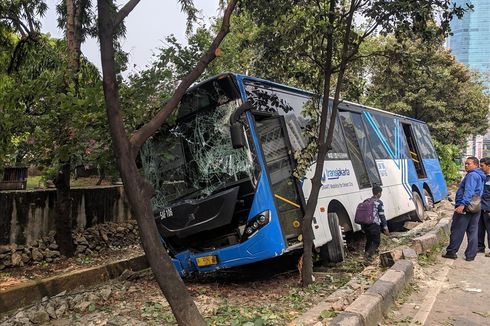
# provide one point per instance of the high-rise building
(470, 42)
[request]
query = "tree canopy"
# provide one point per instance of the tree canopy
(426, 83)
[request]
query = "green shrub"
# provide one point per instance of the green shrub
(448, 156)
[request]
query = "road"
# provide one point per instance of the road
(447, 292)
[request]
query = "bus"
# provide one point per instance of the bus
(223, 169)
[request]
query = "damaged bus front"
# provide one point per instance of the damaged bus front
(217, 206)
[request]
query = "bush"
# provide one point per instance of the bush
(448, 155)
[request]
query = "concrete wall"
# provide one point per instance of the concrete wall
(28, 215)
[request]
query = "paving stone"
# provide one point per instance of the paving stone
(405, 266)
(409, 253)
(409, 225)
(432, 216)
(388, 258)
(369, 307)
(347, 319)
(386, 290)
(395, 277)
(426, 241)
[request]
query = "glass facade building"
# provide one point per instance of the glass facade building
(470, 42)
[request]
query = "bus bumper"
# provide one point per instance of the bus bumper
(258, 248)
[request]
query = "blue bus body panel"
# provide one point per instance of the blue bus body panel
(266, 243)
(435, 179)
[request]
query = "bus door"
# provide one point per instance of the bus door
(414, 151)
(277, 153)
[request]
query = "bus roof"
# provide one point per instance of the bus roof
(355, 106)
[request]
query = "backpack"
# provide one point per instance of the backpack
(365, 212)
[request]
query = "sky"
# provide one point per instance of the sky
(147, 26)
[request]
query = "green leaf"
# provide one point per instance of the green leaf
(328, 314)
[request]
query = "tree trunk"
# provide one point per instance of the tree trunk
(138, 190)
(139, 195)
(63, 220)
(307, 268)
(62, 181)
(324, 144)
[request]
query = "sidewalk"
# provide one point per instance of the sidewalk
(455, 292)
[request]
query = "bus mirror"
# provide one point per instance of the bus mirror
(236, 130)
(237, 135)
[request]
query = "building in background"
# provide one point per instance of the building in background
(470, 44)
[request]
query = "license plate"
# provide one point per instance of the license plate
(206, 260)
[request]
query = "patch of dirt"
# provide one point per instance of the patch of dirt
(247, 297)
(17, 275)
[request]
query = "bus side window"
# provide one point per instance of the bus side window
(339, 148)
(424, 141)
(379, 150)
(355, 152)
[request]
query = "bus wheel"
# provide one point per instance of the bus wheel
(334, 250)
(428, 200)
(418, 214)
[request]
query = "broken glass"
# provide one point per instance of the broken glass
(194, 157)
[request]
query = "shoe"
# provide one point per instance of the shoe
(487, 254)
(450, 255)
(469, 258)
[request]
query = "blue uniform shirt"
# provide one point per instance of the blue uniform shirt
(472, 184)
(485, 198)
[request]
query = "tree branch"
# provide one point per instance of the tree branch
(21, 27)
(124, 11)
(29, 18)
(141, 135)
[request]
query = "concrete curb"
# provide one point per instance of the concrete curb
(32, 291)
(427, 241)
(343, 296)
(368, 308)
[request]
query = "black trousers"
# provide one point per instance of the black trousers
(373, 238)
(483, 227)
(461, 224)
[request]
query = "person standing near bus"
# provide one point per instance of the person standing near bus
(484, 224)
(373, 230)
(466, 222)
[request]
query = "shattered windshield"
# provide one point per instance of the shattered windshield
(194, 157)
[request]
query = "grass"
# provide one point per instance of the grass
(34, 182)
(37, 182)
(430, 257)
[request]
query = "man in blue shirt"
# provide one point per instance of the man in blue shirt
(463, 221)
(484, 224)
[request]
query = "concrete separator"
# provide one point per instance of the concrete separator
(369, 307)
(33, 291)
(427, 241)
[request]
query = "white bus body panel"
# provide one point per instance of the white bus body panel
(339, 183)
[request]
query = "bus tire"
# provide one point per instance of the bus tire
(428, 200)
(334, 250)
(418, 214)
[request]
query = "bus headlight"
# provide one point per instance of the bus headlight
(255, 224)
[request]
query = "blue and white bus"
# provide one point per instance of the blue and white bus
(218, 207)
